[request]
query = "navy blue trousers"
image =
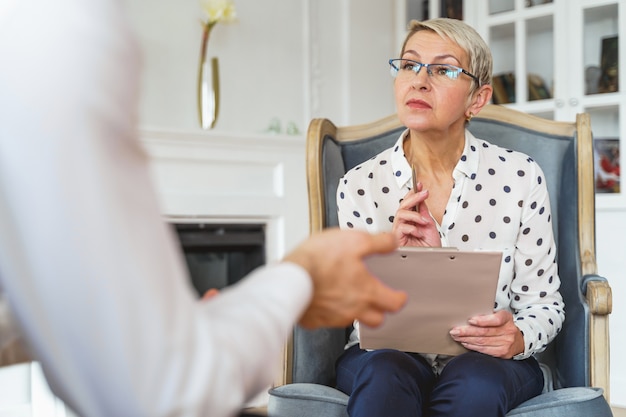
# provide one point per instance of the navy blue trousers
(387, 382)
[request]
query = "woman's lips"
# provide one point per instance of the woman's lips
(418, 104)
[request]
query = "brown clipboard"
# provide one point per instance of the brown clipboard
(445, 287)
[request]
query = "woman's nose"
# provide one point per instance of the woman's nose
(422, 78)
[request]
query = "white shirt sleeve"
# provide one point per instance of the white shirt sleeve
(95, 281)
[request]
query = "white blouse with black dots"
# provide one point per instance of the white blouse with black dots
(499, 201)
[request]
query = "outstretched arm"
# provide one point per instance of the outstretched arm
(94, 278)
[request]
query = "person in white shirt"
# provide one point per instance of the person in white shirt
(469, 194)
(92, 279)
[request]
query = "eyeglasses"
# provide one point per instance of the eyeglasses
(440, 73)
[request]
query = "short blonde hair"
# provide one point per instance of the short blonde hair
(459, 32)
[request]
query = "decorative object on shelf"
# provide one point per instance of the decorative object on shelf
(592, 79)
(537, 89)
(292, 129)
(504, 88)
(607, 167)
(275, 127)
(609, 63)
(208, 87)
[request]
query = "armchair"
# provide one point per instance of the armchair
(576, 363)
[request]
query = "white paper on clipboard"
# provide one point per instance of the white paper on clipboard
(445, 287)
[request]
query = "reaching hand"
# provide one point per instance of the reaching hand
(210, 293)
(343, 288)
(413, 224)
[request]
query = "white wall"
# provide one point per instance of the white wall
(611, 258)
(258, 81)
(286, 59)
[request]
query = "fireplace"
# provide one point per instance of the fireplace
(219, 255)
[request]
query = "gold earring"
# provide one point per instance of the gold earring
(468, 118)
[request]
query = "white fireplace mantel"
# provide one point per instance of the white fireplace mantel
(240, 178)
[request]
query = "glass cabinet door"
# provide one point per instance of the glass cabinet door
(522, 35)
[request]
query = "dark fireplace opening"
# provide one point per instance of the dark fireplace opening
(219, 255)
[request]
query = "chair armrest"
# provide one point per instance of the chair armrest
(598, 293)
(599, 299)
(313, 355)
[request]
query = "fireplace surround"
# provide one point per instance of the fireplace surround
(215, 178)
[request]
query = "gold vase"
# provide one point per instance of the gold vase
(208, 88)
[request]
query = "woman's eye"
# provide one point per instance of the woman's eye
(447, 72)
(442, 71)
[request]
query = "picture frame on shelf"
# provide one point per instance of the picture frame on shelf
(609, 65)
(607, 165)
(452, 9)
(537, 88)
(425, 9)
(499, 95)
(503, 88)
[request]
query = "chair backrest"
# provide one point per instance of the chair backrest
(579, 355)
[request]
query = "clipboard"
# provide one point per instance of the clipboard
(445, 287)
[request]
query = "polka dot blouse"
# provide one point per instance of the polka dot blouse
(499, 201)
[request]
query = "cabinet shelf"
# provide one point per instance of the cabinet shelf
(603, 100)
(524, 14)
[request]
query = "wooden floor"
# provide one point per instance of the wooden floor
(262, 411)
(618, 411)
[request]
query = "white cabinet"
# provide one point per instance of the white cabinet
(557, 58)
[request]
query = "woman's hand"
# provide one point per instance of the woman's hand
(492, 334)
(413, 224)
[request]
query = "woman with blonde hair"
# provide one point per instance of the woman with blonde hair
(472, 195)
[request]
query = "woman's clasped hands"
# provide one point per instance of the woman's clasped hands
(413, 225)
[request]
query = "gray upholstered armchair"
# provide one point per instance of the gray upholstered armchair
(576, 364)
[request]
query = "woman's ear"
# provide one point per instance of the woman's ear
(480, 98)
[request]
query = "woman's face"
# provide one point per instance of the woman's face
(428, 103)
